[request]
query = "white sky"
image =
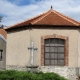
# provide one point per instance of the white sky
(14, 11)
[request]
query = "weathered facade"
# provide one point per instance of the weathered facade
(2, 48)
(57, 38)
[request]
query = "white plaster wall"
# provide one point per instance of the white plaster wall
(18, 42)
(79, 49)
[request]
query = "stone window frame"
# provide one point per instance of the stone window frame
(54, 36)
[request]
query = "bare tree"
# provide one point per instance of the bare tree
(0, 18)
(2, 26)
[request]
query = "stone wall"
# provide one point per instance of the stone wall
(16, 67)
(67, 72)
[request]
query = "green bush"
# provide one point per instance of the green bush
(24, 75)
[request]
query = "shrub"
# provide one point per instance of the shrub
(24, 75)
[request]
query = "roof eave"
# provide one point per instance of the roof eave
(42, 26)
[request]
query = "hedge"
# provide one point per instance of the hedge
(24, 75)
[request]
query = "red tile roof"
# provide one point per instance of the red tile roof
(50, 17)
(3, 33)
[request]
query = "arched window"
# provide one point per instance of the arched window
(54, 51)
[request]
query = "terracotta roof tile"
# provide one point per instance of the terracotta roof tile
(50, 17)
(3, 33)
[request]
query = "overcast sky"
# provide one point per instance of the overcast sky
(14, 11)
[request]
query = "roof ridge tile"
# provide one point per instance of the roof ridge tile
(47, 13)
(69, 19)
(25, 21)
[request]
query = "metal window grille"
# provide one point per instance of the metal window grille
(54, 52)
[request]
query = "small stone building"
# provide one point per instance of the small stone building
(57, 39)
(2, 48)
